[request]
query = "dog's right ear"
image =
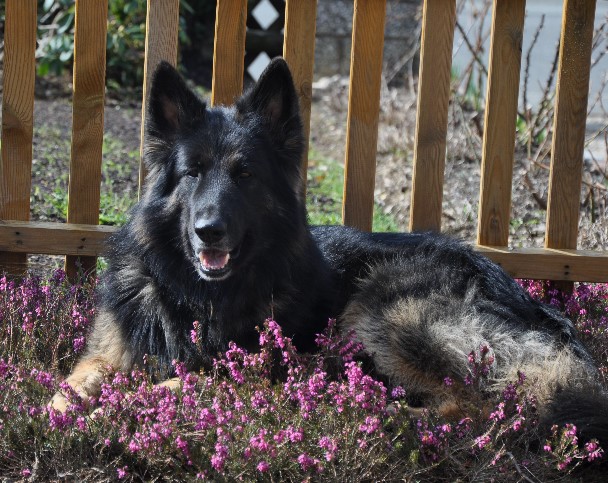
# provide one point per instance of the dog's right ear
(172, 106)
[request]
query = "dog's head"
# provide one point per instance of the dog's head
(230, 174)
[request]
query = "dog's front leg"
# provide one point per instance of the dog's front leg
(106, 351)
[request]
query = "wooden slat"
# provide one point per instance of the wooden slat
(438, 20)
(162, 24)
(90, 240)
(499, 126)
(17, 119)
(87, 119)
(299, 52)
(569, 124)
(51, 238)
(363, 110)
(229, 51)
(550, 264)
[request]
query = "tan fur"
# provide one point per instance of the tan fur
(447, 332)
(106, 351)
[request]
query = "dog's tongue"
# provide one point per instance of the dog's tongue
(214, 259)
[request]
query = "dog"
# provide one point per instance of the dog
(221, 236)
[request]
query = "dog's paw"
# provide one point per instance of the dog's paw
(175, 384)
(59, 402)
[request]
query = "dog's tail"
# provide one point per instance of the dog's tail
(585, 407)
(416, 338)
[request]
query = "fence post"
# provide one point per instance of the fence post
(499, 125)
(228, 51)
(17, 120)
(569, 124)
(87, 121)
(162, 23)
(435, 73)
(363, 111)
(299, 53)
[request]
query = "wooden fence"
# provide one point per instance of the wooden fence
(81, 237)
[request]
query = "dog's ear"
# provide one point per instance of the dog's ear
(172, 106)
(274, 98)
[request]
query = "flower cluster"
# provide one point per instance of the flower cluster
(44, 323)
(275, 414)
(564, 450)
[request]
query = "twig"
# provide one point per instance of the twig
(474, 52)
(528, 62)
(596, 186)
(517, 467)
(545, 97)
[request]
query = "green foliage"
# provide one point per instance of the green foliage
(324, 195)
(125, 38)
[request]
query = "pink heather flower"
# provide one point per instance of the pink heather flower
(45, 379)
(183, 446)
(305, 461)
(547, 448)
(194, 332)
(447, 381)
(593, 450)
(78, 344)
(295, 435)
(263, 466)
(26, 473)
(517, 424)
(330, 446)
(482, 441)
(247, 453)
(218, 460)
(371, 425)
(122, 472)
(397, 392)
(499, 414)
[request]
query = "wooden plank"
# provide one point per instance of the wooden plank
(90, 240)
(550, 263)
(17, 119)
(438, 21)
(299, 52)
(162, 24)
(499, 125)
(87, 120)
(569, 124)
(52, 238)
(363, 111)
(229, 51)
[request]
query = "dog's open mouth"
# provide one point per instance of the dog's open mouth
(214, 260)
(215, 263)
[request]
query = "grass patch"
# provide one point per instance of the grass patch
(50, 178)
(325, 180)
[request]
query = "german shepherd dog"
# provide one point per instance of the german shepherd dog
(221, 236)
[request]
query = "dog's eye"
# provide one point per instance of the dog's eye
(193, 173)
(244, 174)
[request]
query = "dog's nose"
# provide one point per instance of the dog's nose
(210, 231)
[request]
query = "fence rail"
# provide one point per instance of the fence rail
(82, 237)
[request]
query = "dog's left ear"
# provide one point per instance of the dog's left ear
(172, 106)
(274, 98)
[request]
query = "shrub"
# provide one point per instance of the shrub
(272, 415)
